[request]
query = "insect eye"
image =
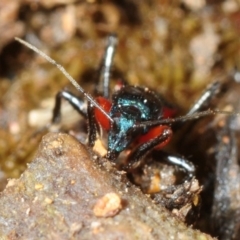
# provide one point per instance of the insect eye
(131, 112)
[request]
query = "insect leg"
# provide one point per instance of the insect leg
(106, 65)
(92, 125)
(77, 103)
(179, 161)
(205, 98)
(142, 150)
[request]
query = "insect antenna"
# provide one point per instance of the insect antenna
(184, 118)
(67, 75)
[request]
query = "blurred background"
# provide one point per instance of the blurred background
(174, 47)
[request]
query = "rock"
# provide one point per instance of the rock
(55, 199)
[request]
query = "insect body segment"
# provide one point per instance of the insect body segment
(132, 105)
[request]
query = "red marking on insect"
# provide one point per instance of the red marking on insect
(100, 117)
(169, 112)
(154, 132)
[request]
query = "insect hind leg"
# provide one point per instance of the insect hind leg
(205, 98)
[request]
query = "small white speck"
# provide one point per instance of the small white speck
(28, 211)
(95, 224)
(237, 77)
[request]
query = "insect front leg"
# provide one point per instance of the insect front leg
(160, 140)
(178, 161)
(92, 125)
(78, 104)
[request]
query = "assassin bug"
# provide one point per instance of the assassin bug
(134, 116)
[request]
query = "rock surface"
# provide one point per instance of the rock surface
(55, 197)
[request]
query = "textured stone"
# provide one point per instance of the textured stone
(55, 197)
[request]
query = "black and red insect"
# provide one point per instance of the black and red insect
(134, 117)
